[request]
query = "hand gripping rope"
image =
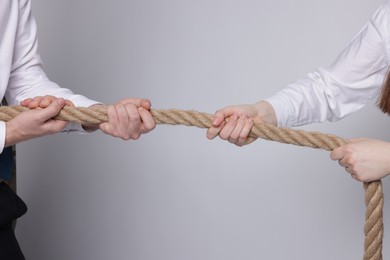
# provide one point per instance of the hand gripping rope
(373, 228)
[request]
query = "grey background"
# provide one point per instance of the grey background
(173, 194)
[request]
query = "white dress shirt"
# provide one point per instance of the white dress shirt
(354, 79)
(21, 73)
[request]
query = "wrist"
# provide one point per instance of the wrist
(11, 135)
(265, 112)
(2, 135)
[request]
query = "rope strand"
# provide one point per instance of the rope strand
(374, 200)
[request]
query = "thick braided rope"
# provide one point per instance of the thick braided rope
(373, 228)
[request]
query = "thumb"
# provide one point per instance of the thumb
(221, 114)
(53, 109)
(146, 104)
(337, 154)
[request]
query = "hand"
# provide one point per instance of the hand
(42, 102)
(128, 119)
(35, 123)
(365, 159)
(234, 123)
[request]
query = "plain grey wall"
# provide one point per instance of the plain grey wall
(174, 195)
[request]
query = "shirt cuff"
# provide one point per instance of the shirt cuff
(282, 108)
(2, 135)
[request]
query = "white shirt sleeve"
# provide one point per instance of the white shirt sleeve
(20, 61)
(349, 83)
(27, 78)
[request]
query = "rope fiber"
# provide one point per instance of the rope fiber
(374, 201)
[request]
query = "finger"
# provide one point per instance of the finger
(55, 126)
(235, 135)
(120, 122)
(220, 115)
(342, 164)
(350, 170)
(148, 123)
(138, 102)
(219, 118)
(52, 110)
(46, 115)
(244, 136)
(213, 132)
(146, 104)
(337, 153)
(46, 101)
(35, 102)
(69, 103)
(124, 122)
(26, 102)
(133, 126)
(229, 128)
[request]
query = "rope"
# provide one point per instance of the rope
(373, 228)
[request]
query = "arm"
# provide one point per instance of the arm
(22, 67)
(27, 78)
(354, 79)
(128, 119)
(349, 83)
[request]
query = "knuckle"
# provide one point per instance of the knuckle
(135, 136)
(243, 135)
(242, 140)
(147, 129)
(348, 149)
(349, 161)
(210, 135)
(234, 136)
(125, 138)
(233, 140)
(360, 178)
(115, 133)
(224, 136)
(133, 114)
(152, 127)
